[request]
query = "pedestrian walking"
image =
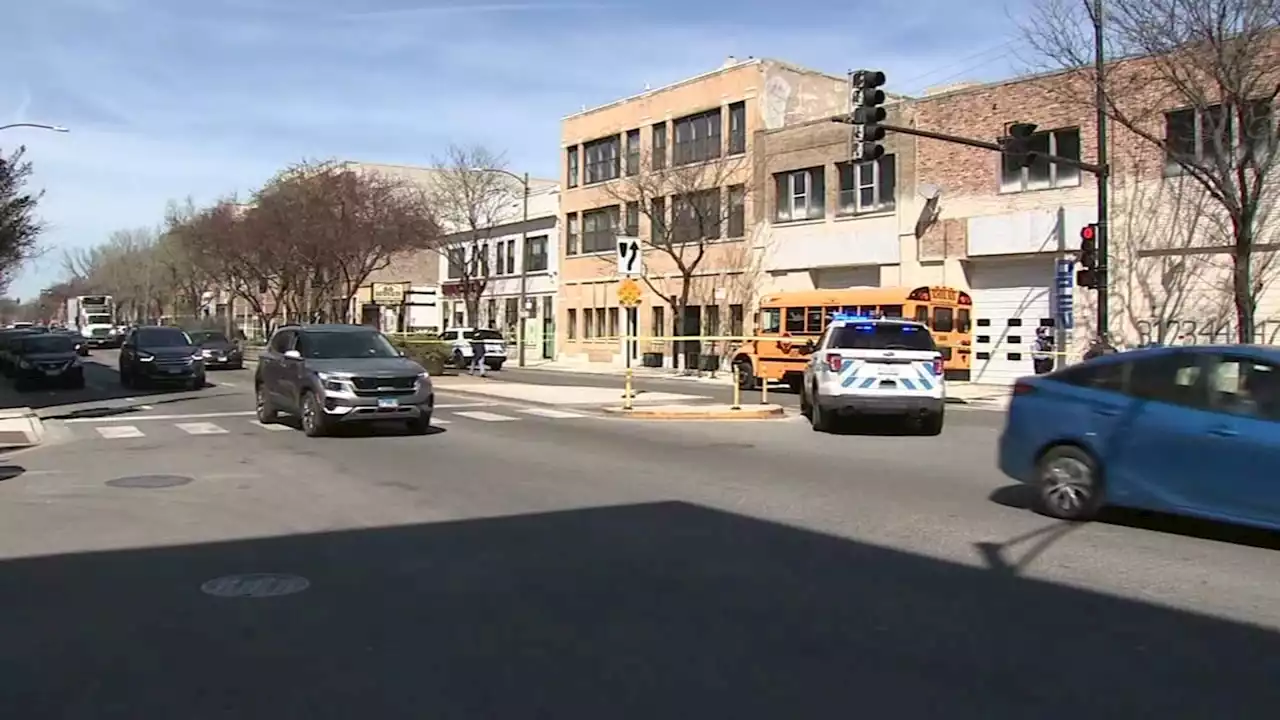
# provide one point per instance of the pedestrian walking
(1043, 352)
(477, 354)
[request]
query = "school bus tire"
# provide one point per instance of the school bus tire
(745, 373)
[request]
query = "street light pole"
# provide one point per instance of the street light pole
(37, 126)
(1104, 177)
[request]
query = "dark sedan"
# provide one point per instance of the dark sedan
(48, 359)
(218, 351)
(161, 355)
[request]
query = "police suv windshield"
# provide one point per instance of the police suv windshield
(881, 336)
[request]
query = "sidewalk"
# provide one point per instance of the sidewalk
(722, 377)
(559, 394)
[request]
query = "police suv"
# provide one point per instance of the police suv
(874, 366)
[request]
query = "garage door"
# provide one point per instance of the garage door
(1010, 300)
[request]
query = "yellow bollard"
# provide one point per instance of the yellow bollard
(626, 398)
(737, 389)
(764, 390)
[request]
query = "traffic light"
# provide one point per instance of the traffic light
(866, 99)
(1086, 276)
(1017, 143)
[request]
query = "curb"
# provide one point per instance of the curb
(694, 412)
(20, 428)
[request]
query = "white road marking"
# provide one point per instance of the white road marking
(223, 383)
(189, 416)
(551, 413)
(200, 428)
(437, 421)
(119, 432)
(485, 416)
(464, 405)
(146, 407)
(272, 426)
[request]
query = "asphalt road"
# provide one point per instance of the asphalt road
(532, 562)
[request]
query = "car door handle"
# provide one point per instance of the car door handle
(1225, 432)
(1106, 412)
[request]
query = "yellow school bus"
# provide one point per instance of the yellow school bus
(795, 318)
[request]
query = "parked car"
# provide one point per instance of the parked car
(460, 340)
(82, 348)
(42, 359)
(329, 375)
(218, 351)
(1190, 430)
(8, 347)
(157, 354)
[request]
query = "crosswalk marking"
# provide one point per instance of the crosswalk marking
(551, 413)
(200, 428)
(438, 421)
(119, 432)
(485, 416)
(272, 426)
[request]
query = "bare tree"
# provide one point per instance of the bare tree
(689, 209)
(19, 227)
(182, 272)
(470, 195)
(1217, 59)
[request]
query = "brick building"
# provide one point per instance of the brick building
(701, 127)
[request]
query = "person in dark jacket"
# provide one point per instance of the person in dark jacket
(477, 354)
(1043, 352)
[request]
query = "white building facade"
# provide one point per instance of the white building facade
(522, 262)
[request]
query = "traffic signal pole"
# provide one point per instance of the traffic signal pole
(1103, 177)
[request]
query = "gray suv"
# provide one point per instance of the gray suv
(329, 375)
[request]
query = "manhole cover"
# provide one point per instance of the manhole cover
(255, 585)
(150, 481)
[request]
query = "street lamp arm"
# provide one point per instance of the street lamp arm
(38, 126)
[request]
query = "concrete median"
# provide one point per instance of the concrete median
(700, 412)
(20, 427)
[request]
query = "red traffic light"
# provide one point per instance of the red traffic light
(1089, 232)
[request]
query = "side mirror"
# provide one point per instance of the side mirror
(400, 352)
(294, 354)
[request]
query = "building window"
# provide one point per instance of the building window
(571, 326)
(659, 328)
(571, 165)
(633, 219)
(535, 258)
(633, 152)
(658, 221)
(736, 321)
(491, 314)
(601, 330)
(588, 324)
(599, 230)
(711, 320)
(867, 186)
(571, 234)
(698, 138)
(737, 211)
(1199, 138)
(800, 195)
(612, 329)
(507, 263)
(511, 315)
(696, 217)
(457, 258)
(1042, 174)
(737, 128)
(659, 146)
(601, 159)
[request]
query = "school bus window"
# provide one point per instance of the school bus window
(962, 320)
(795, 320)
(943, 319)
(770, 320)
(813, 320)
(922, 314)
(891, 311)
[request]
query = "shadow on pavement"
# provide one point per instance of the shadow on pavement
(102, 383)
(9, 472)
(1023, 497)
(662, 610)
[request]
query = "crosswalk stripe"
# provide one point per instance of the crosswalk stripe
(273, 426)
(485, 416)
(438, 421)
(551, 413)
(119, 432)
(200, 428)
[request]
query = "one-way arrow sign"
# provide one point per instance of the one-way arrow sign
(630, 259)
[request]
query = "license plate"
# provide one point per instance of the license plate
(888, 372)
(388, 403)
(173, 371)
(51, 373)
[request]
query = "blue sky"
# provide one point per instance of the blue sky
(169, 98)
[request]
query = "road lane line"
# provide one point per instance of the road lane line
(485, 416)
(550, 413)
(271, 426)
(189, 416)
(120, 432)
(438, 421)
(464, 405)
(201, 428)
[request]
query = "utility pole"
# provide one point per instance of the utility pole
(524, 270)
(1103, 177)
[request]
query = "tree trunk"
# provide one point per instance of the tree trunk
(1242, 279)
(682, 322)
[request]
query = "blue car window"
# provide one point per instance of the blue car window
(1174, 378)
(1243, 386)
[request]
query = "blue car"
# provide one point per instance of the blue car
(1189, 430)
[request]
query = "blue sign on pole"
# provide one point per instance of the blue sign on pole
(1064, 294)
